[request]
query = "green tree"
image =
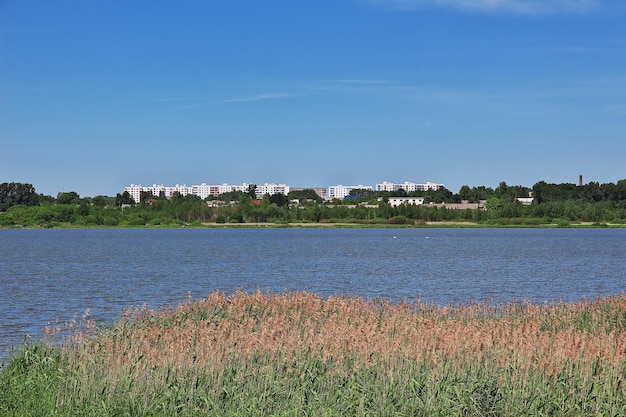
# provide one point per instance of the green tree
(619, 192)
(592, 192)
(252, 190)
(494, 203)
(466, 193)
(441, 195)
(124, 198)
(46, 199)
(233, 196)
(482, 193)
(501, 190)
(65, 213)
(15, 193)
(70, 197)
(100, 201)
(545, 193)
(83, 209)
(364, 194)
(147, 196)
(280, 200)
(308, 194)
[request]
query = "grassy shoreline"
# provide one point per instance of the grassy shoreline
(343, 225)
(299, 354)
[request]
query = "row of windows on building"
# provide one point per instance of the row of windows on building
(207, 190)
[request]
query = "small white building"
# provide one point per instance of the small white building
(396, 201)
(527, 201)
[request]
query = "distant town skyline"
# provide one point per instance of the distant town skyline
(579, 180)
(204, 190)
(96, 95)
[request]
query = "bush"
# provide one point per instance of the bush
(91, 219)
(80, 222)
(135, 221)
(6, 219)
(562, 223)
(399, 220)
(111, 221)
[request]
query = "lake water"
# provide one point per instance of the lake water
(52, 274)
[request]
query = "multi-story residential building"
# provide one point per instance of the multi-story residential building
(386, 186)
(227, 188)
(135, 191)
(202, 190)
(428, 186)
(271, 189)
(341, 191)
(181, 189)
(408, 186)
(157, 190)
(207, 190)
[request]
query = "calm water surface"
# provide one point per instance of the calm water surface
(53, 274)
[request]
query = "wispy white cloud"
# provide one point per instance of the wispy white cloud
(195, 102)
(171, 99)
(496, 6)
(191, 102)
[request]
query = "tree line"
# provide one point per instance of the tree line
(563, 204)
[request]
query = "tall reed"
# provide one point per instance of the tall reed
(297, 353)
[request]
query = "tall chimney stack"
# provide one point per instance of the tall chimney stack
(580, 180)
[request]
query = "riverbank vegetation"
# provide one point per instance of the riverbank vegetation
(297, 354)
(552, 204)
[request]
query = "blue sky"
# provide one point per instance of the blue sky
(96, 95)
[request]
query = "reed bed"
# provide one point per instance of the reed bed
(299, 354)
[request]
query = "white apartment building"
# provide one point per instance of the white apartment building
(227, 188)
(341, 191)
(271, 189)
(206, 190)
(386, 186)
(202, 190)
(182, 189)
(407, 186)
(136, 190)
